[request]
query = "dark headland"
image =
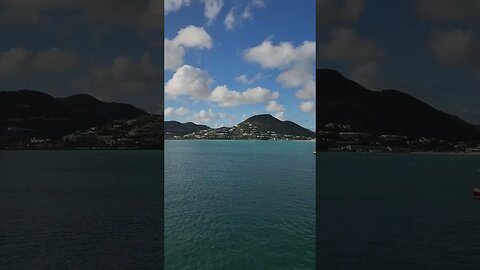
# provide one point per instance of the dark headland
(351, 117)
(34, 120)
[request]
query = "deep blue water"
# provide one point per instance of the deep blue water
(81, 209)
(239, 205)
(398, 211)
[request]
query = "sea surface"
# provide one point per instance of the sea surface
(398, 211)
(239, 205)
(81, 209)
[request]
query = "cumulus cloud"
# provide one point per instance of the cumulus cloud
(212, 8)
(134, 80)
(19, 60)
(54, 60)
(296, 76)
(365, 74)
(338, 11)
(277, 108)
(308, 90)
(230, 98)
(190, 81)
(193, 37)
(175, 5)
(280, 115)
(181, 111)
(205, 116)
(188, 37)
(126, 75)
(346, 45)
(143, 14)
(270, 56)
(361, 53)
(195, 83)
(243, 78)
(307, 107)
(173, 55)
(454, 46)
(448, 9)
(297, 64)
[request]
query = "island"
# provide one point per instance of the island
(257, 127)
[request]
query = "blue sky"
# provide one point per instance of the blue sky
(237, 52)
(426, 48)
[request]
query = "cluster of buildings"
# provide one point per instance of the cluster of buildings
(145, 132)
(250, 132)
(343, 138)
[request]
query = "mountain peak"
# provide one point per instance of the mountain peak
(261, 117)
(81, 98)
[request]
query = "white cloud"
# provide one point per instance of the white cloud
(205, 117)
(243, 78)
(297, 63)
(277, 108)
(230, 98)
(212, 8)
(297, 75)
(281, 55)
(229, 20)
(258, 3)
(19, 60)
(274, 106)
(247, 13)
(280, 115)
(234, 18)
(365, 74)
(362, 54)
(173, 55)
(346, 45)
(190, 81)
(175, 5)
(195, 83)
(193, 37)
(453, 46)
(181, 111)
(307, 107)
(188, 37)
(169, 111)
(308, 90)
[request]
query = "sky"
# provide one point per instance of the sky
(426, 48)
(227, 60)
(110, 49)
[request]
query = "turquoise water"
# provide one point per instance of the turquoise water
(398, 211)
(81, 209)
(239, 205)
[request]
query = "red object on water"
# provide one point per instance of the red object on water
(476, 193)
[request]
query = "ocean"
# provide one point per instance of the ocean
(81, 209)
(398, 211)
(239, 205)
